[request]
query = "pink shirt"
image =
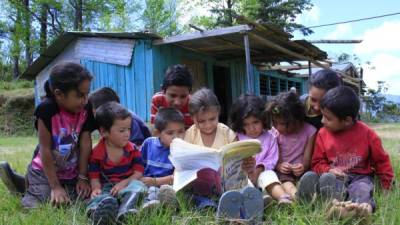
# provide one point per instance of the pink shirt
(292, 146)
(268, 157)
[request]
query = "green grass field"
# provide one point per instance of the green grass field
(18, 151)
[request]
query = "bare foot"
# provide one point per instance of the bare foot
(363, 209)
(341, 210)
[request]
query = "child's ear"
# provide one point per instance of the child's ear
(348, 121)
(103, 132)
(58, 93)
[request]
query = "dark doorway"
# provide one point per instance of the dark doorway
(222, 89)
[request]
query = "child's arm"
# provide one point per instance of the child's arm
(319, 162)
(123, 183)
(308, 150)
(96, 187)
(58, 194)
(158, 181)
(85, 143)
(381, 161)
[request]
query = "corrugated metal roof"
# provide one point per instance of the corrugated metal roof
(64, 40)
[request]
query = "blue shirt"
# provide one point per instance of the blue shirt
(139, 130)
(155, 158)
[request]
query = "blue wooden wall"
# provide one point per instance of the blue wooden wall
(133, 83)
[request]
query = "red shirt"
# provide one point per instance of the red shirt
(160, 101)
(356, 150)
(101, 167)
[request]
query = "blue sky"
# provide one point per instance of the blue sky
(381, 37)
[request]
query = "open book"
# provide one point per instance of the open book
(188, 159)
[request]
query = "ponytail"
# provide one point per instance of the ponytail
(47, 89)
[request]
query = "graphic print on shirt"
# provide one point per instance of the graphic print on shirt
(65, 133)
(347, 160)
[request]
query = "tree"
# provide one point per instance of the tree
(160, 16)
(280, 13)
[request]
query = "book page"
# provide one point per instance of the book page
(188, 159)
(233, 177)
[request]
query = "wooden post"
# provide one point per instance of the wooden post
(309, 69)
(249, 71)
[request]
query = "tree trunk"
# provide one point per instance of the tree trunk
(27, 34)
(15, 66)
(230, 6)
(43, 27)
(78, 15)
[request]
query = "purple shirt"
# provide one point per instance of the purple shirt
(292, 146)
(268, 157)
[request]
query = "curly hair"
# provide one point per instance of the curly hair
(288, 107)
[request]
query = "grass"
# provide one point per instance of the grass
(18, 151)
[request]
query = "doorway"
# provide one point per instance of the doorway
(223, 90)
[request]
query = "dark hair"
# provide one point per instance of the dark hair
(103, 95)
(107, 113)
(247, 105)
(167, 115)
(325, 79)
(342, 101)
(203, 100)
(177, 75)
(287, 106)
(66, 76)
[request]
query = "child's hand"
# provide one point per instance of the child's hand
(59, 196)
(337, 172)
(298, 169)
(149, 181)
(82, 188)
(95, 192)
(284, 168)
(249, 164)
(119, 186)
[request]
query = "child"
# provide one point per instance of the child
(347, 153)
(158, 173)
(295, 139)
(58, 169)
(250, 121)
(320, 82)
(139, 131)
(115, 167)
(176, 88)
(207, 131)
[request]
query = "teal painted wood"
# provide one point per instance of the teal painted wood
(133, 83)
(285, 80)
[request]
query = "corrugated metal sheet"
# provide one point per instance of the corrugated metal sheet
(107, 50)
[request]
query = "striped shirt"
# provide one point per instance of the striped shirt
(155, 158)
(160, 101)
(101, 167)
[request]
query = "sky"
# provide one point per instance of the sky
(381, 37)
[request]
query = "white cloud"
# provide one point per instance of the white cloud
(310, 16)
(382, 38)
(386, 67)
(342, 30)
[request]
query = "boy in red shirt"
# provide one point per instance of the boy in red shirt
(348, 153)
(176, 88)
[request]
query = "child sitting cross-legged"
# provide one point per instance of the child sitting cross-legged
(115, 167)
(249, 119)
(158, 174)
(347, 154)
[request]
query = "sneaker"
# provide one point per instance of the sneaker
(229, 205)
(106, 211)
(15, 183)
(253, 204)
(268, 200)
(167, 196)
(151, 205)
(307, 187)
(327, 184)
